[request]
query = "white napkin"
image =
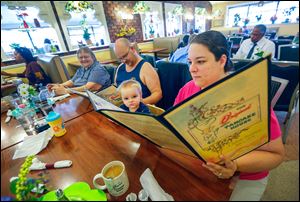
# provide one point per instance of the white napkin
(149, 183)
(33, 144)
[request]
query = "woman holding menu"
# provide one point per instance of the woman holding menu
(209, 62)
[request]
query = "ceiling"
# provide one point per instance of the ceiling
(216, 2)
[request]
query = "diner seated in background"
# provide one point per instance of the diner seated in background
(33, 71)
(181, 54)
(257, 46)
(135, 67)
(90, 76)
(184, 42)
(131, 93)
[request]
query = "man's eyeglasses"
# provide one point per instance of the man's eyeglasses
(125, 56)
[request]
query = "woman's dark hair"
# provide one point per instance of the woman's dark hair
(217, 44)
(26, 54)
(47, 41)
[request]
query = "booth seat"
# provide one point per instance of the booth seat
(171, 43)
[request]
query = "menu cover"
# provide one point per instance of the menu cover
(230, 117)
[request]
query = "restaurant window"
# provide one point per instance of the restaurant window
(25, 25)
(200, 19)
(152, 21)
(174, 14)
(263, 12)
(93, 33)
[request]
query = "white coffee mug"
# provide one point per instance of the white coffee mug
(115, 178)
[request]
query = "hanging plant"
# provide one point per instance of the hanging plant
(78, 6)
(178, 10)
(200, 11)
(140, 8)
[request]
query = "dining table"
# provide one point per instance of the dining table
(92, 140)
(154, 51)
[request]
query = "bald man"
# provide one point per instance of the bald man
(134, 67)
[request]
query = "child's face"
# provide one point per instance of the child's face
(131, 98)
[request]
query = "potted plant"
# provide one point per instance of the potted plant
(246, 21)
(87, 36)
(273, 19)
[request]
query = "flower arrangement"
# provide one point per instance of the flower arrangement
(178, 10)
(236, 19)
(126, 31)
(23, 187)
(26, 91)
(78, 6)
(273, 19)
(29, 189)
(140, 8)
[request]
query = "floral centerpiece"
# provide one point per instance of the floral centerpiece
(140, 8)
(273, 19)
(126, 31)
(28, 94)
(35, 189)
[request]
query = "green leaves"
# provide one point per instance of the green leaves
(78, 6)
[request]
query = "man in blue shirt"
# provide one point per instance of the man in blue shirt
(181, 54)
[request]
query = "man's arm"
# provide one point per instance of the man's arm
(150, 78)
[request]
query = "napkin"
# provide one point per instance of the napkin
(33, 144)
(149, 183)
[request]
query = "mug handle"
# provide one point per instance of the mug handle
(102, 187)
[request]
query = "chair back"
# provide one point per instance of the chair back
(111, 70)
(288, 52)
(290, 73)
(112, 51)
(277, 87)
(291, 37)
(173, 76)
(149, 58)
(171, 43)
(236, 40)
(54, 68)
(155, 110)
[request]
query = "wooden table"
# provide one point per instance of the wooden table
(154, 51)
(71, 107)
(7, 89)
(92, 141)
(104, 62)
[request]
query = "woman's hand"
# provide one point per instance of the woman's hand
(223, 170)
